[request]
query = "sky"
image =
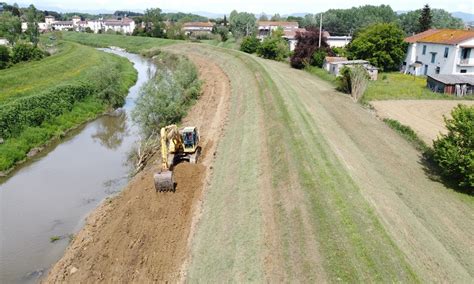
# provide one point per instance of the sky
(254, 6)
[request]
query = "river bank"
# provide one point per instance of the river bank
(50, 195)
(142, 235)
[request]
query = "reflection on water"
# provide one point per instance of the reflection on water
(52, 195)
(111, 130)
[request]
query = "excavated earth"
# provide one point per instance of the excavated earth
(141, 235)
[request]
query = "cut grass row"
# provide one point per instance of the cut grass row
(353, 244)
(28, 85)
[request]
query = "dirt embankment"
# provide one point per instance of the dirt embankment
(142, 235)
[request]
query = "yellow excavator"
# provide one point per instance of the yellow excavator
(176, 146)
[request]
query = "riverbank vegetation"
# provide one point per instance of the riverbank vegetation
(42, 100)
(166, 98)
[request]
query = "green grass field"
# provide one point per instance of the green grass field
(391, 86)
(133, 44)
(23, 84)
(231, 43)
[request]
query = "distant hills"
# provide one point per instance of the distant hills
(466, 17)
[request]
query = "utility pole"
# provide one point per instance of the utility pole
(320, 29)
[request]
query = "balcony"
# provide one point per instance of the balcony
(466, 62)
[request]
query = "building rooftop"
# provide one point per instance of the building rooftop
(442, 36)
(332, 59)
(198, 24)
(278, 24)
(453, 79)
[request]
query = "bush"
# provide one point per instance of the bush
(275, 48)
(381, 44)
(223, 32)
(4, 57)
(353, 81)
(165, 99)
(33, 110)
(250, 44)
(343, 82)
(308, 44)
(318, 58)
(454, 151)
(25, 52)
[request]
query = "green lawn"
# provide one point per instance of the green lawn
(397, 86)
(231, 43)
(391, 86)
(72, 63)
(133, 44)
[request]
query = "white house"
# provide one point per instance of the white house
(190, 28)
(338, 41)
(441, 51)
(3, 41)
(124, 25)
(265, 29)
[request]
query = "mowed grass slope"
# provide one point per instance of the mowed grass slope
(70, 63)
(309, 187)
(133, 44)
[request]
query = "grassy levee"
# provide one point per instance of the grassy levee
(133, 44)
(274, 166)
(42, 100)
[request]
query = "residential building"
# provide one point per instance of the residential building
(338, 41)
(290, 29)
(193, 28)
(124, 25)
(442, 51)
(3, 41)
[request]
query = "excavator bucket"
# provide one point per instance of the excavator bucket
(164, 181)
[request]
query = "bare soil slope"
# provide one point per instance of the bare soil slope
(140, 235)
(423, 116)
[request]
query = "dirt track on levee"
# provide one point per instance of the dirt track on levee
(303, 186)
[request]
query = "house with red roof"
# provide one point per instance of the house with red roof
(440, 52)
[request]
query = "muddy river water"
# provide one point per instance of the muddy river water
(50, 196)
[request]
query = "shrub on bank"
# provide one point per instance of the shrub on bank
(4, 57)
(250, 44)
(454, 151)
(165, 99)
(26, 52)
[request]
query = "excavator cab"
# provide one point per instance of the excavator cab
(190, 139)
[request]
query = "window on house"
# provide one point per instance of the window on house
(437, 70)
(446, 52)
(426, 70)
(463, 71)
(433, 57)
(424, 50)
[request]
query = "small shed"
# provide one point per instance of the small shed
(335, 67)
(459, 85)
(332, 59)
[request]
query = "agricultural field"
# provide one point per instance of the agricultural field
(41, 100)
(424, 117)
(298, 183)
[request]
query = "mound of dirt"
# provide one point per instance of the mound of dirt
(142, 235)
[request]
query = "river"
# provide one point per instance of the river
(53, 193)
